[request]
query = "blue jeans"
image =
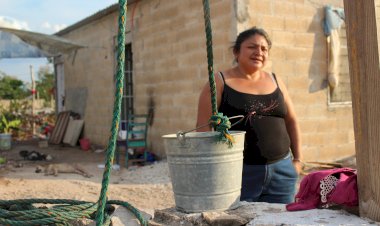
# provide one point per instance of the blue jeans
(273, 183)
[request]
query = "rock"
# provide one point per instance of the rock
(122, 216)
(222, 219)
(244, 210)
(82, 222)
(172, 217)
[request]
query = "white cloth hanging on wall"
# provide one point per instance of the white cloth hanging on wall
(334, 18)
(334, 62)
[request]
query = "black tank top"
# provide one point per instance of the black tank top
(266, 138)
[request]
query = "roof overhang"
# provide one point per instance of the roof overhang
(20, 44)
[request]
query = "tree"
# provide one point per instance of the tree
(12, 88)
(45, 83)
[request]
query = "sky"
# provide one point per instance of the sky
(43, 16)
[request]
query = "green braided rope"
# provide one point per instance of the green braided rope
(221, 124)
(31, 215)
(21, 212)
(115, 122)
(206, 11)
(218, 121)
(116, 111)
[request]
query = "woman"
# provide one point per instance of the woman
(272, 156)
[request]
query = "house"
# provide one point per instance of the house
(166, 67)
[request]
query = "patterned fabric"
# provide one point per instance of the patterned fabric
(323, 188)
(327, 184)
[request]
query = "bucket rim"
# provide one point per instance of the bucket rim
(195, 135)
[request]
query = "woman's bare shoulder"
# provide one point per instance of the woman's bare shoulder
(278, 78)
(228, 73)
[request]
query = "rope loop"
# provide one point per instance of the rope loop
(222, 124)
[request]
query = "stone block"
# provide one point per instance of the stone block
(255, 214)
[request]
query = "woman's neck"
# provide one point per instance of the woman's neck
(247, 74)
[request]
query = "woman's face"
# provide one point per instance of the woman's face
(253, 52)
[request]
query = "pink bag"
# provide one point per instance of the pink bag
(326, 187)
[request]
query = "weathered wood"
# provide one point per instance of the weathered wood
(60, 127)
(363, 56)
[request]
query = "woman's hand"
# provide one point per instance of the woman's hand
(298, 165)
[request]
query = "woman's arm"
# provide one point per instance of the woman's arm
(292, 128)
(204, 103)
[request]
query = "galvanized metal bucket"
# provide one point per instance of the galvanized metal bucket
(205, 174)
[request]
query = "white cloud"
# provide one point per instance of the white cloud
(13, 23)
(54, 27)
(46, 25)
(58, 27)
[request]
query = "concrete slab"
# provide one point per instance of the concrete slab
(276, 214)
(262, 214)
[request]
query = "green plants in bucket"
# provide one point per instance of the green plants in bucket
(6, 127)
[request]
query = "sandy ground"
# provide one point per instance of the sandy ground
(145, 187)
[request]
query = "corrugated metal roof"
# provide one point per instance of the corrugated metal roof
(104, 12)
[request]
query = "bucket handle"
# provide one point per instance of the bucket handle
(181, 134)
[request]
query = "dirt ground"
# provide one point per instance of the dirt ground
(145, 187)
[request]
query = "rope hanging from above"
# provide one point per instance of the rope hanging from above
(219, 122)
(22, 212)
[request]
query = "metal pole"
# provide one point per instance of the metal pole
(33, 98)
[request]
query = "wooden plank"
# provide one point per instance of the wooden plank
(60, 127)
(73, 131)
(363, 56)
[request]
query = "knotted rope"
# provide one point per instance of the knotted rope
(218, 121)
(22, 213)
(221, 124)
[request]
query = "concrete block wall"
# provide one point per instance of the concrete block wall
(92, 68)
(170, 64)
(299, 57)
